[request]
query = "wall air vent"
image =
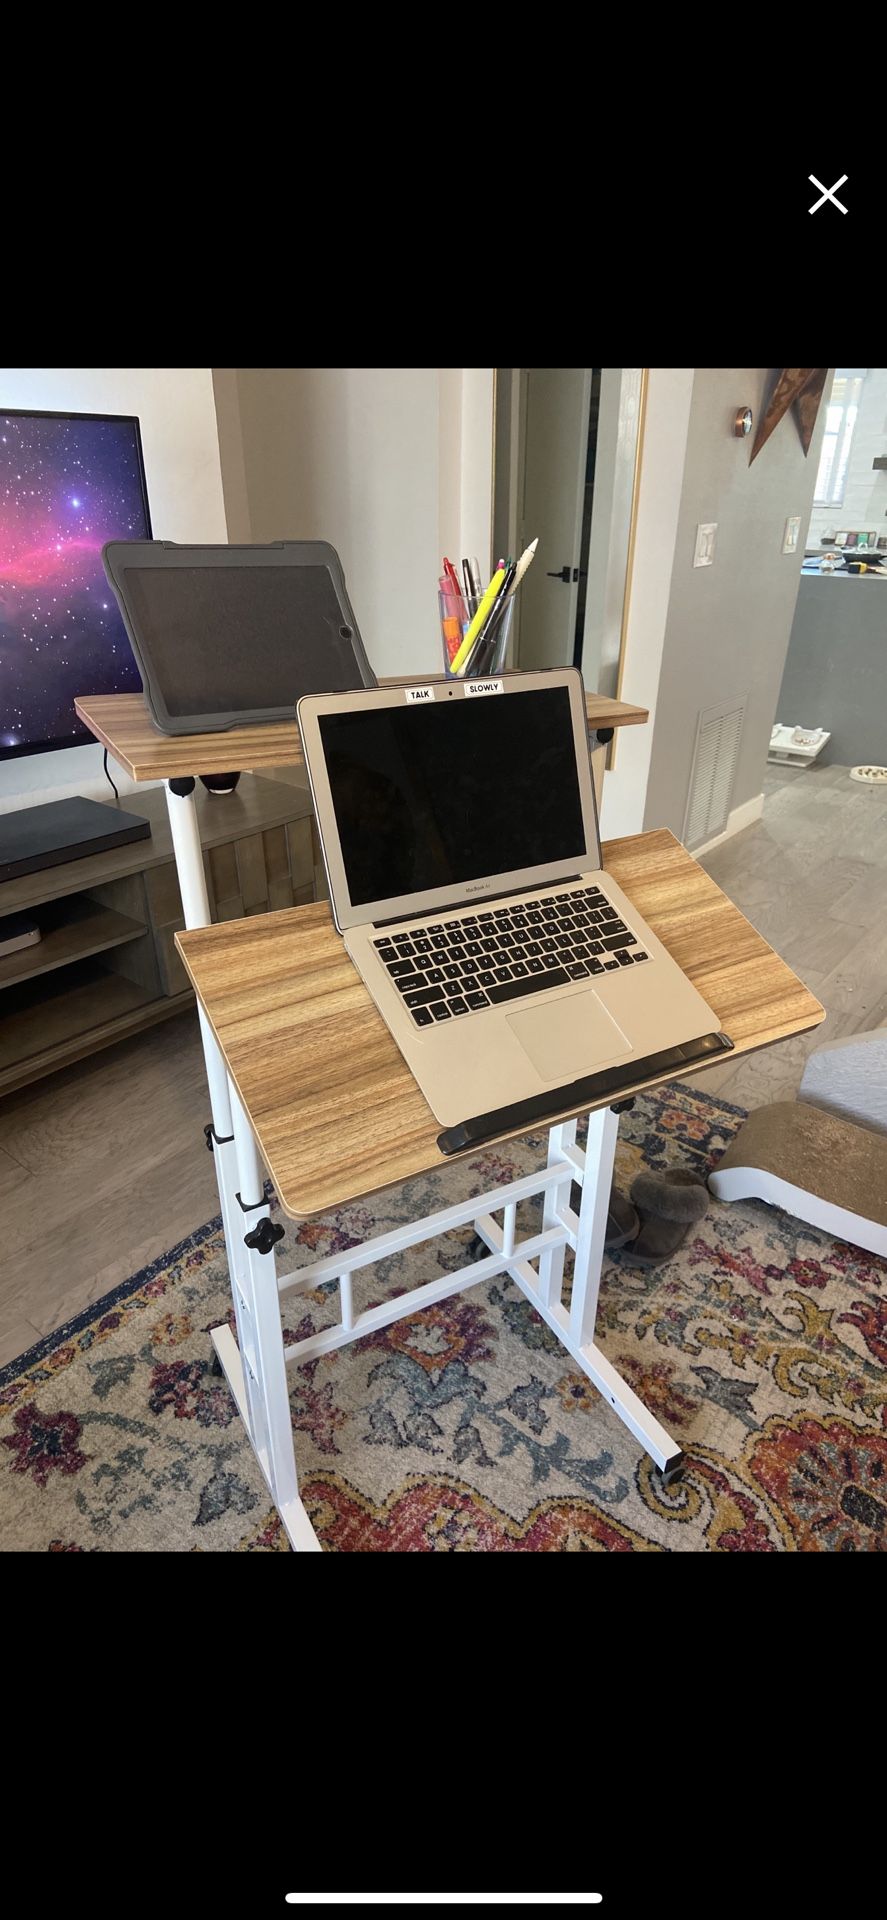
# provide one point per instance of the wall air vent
(718, 733)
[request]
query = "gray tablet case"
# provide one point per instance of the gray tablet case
(230, 636)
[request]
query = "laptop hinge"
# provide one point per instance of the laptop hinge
(469, 906)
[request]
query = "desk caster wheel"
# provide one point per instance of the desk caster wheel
(477, 1248)
(673, 1471)
(215, 1366)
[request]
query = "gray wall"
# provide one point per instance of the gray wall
(836, 667)
(728, 625)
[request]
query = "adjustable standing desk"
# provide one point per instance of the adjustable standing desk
(319, 1094)
(305, 1077)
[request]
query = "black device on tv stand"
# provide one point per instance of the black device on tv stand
(48, 836)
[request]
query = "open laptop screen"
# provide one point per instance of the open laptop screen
(427, 797)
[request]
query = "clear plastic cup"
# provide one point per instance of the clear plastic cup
(452, 627)
(455, 618)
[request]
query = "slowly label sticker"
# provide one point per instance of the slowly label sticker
(474, 687)
(419, 693)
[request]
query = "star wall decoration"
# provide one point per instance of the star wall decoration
(799, 388)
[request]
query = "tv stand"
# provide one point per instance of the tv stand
(106, 964)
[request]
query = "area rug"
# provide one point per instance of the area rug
(761, 1346)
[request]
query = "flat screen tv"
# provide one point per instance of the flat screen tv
(68, 483)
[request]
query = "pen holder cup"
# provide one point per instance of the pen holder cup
(488, 657)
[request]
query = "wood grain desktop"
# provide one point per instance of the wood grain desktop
(335, 1109)
(122, 723)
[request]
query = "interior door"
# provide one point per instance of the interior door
(555, 447)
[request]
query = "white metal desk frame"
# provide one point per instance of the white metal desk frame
(255, 1365)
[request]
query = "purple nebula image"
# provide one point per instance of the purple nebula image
(67, 484)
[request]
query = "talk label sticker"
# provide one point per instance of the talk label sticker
(420, 694)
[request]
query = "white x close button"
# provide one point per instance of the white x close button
(827, 193)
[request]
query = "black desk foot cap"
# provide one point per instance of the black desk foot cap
(673, 1469)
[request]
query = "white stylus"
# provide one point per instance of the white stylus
(525, 560)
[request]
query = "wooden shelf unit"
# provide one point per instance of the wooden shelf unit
(71, 930)
(106, 965)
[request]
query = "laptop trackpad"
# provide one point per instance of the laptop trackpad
(569, 1037)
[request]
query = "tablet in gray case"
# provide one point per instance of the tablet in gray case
(230, 636)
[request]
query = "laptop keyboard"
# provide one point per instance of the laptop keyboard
(448, 968)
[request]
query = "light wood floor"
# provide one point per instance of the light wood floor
(103, 1167)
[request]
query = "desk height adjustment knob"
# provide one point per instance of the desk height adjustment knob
(264, 1236)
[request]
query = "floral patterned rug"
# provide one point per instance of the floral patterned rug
(761, 1345)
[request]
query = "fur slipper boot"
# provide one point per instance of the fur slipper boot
(622, 1221)
(668, 1205)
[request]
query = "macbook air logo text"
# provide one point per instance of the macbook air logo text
(482, 886)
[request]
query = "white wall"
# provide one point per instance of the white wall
(181, 450)
(669, 395)
(865, 492)
(227, 399)
(476, 464)
(393, 465)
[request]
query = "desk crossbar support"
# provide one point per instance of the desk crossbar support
(411, 1233)
(256, 1365)
(426, 1295)
(596, 1180)
(593, 1169)
(632, 1412)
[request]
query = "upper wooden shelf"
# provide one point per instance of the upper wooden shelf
(334, 1106)
(122, 723)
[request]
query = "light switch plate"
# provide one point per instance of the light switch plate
(704, 552)
(792, 529)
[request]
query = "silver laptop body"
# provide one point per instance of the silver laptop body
(461, 844)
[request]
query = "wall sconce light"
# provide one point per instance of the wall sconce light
(743, 422)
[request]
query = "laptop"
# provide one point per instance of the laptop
(460, 838)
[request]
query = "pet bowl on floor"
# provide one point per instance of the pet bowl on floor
(872, 776)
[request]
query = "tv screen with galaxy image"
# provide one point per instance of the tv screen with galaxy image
(68, 483)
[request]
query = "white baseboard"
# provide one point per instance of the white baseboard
(744, 816)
